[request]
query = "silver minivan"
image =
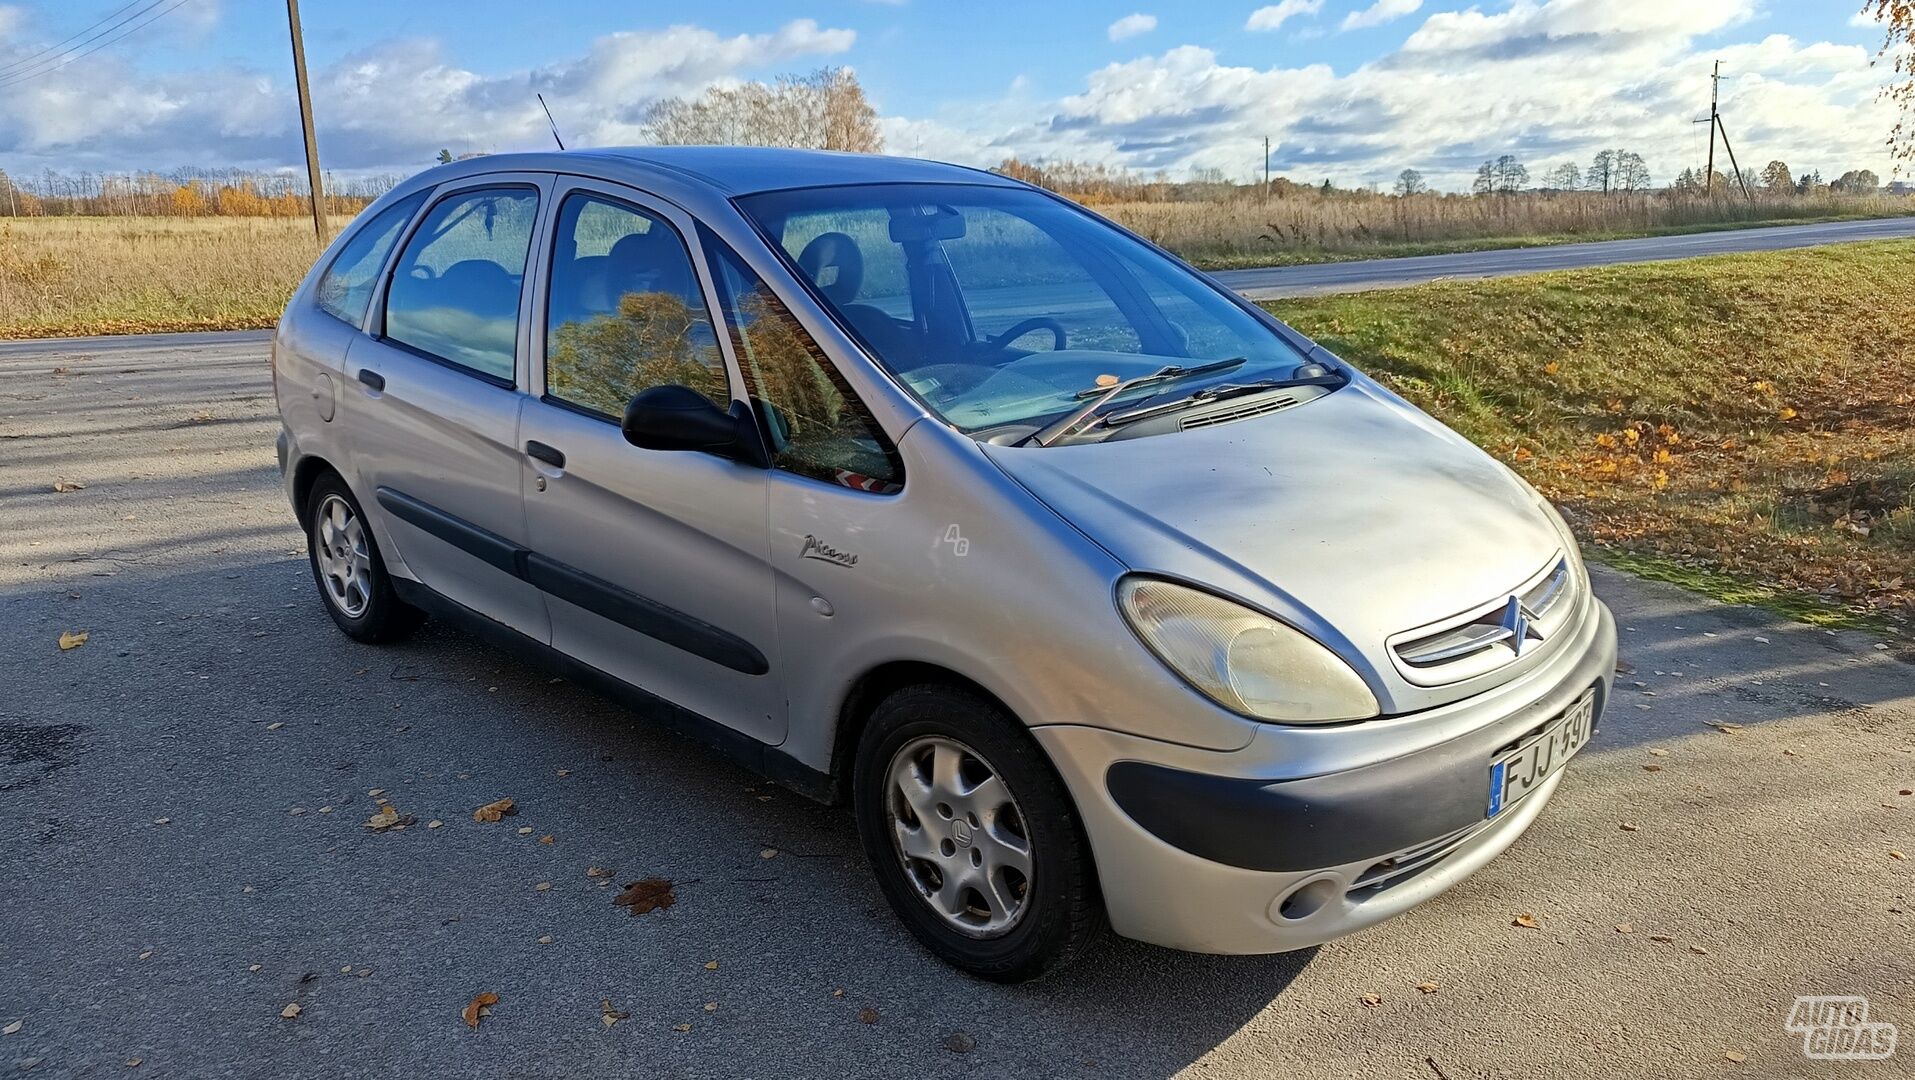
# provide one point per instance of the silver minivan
(1096, 592)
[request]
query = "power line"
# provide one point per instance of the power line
(27, 76)
(27, 61)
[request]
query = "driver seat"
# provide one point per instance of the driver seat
(835, 266)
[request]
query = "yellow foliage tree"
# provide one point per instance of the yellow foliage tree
(188, 201)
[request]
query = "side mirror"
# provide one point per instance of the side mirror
(680, 418)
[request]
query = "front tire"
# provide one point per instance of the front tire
(352, 578)
(972, 836)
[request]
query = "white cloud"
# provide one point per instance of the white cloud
(1547, 80)
(1379, 13)
(387, 107)
(1131, 26)
(1275, 15)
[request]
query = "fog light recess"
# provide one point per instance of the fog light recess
(1305, 900)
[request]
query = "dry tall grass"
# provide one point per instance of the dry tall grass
(70, 276)
(1306, 225)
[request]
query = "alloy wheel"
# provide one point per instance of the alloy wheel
(343, 557)
(960, 835)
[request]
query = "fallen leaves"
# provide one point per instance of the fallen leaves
(1372, 1000)
(1429, 987)
(648, 895)
(609, 1014)
(291, 1012)
(1625, 928)
(1734, 1055)
(1526, 921)
(1630, 826)
(868, 1015)
(389, 817)
(13, 1028)
(72, 639)
(1896, 855)
(480, 1005)
(64, 486)
(1724, 726)
(494, 811)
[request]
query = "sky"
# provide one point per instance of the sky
(1353, 91)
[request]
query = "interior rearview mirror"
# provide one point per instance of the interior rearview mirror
(679, 418)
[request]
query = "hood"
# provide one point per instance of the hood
(1354, 516)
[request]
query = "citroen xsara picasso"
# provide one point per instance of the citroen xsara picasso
(1097, 592)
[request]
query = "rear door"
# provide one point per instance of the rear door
(654, 562)
(435, 393)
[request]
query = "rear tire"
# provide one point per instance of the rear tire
(346, 566)
(972, 836)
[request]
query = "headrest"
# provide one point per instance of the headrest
(833, 263)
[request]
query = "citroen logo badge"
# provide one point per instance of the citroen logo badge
(1515, 621)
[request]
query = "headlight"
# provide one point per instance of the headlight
(1242, 659)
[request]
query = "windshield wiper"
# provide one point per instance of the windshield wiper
(1219, 392)
(1104, 394)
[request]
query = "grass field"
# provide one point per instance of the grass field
(1744, 425)
(66, 276)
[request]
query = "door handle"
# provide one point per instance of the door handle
(551, 455)
(372, 378)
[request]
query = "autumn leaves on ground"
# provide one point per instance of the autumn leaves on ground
(1744, 425)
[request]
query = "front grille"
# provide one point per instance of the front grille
(1493, 635)
(1404, 865)
(1241, 412)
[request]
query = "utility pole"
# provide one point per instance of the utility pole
(1266, 168)
(1715, 124)
(306, 122)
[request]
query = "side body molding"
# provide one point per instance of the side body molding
(575, 586)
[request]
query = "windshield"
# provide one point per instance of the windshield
(1004, 307)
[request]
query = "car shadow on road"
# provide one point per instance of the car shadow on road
(221, 700)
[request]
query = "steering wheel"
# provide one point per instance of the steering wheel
(1040, 323)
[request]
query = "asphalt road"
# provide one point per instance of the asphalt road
(1273, 282)
(182, 801)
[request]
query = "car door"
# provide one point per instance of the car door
(435, 391)
(654, 562)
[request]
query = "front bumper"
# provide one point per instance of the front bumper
(1204, 851)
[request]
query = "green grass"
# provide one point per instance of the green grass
(1312, 257)
(1740, 421)
(1731, 589)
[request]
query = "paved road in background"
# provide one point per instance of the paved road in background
(1278, 281)
(183, 855)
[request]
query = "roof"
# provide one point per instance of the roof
(741, 170)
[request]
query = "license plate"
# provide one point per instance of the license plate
(1524, 769)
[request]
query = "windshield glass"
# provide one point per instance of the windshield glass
(1002, 306)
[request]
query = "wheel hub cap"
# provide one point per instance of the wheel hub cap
(342, 557)
(959, 833)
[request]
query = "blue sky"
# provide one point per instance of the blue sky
(1348, 89)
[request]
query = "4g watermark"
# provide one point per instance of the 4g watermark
(1837, 1028)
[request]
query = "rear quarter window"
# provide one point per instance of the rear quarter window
(346, 287)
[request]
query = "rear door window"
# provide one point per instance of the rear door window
(455, 290)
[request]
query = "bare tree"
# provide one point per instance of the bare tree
(1410, 182)
(1602, 172)
(1564, 177)
(1899, 17)
(1631, 173)
(825, 110)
